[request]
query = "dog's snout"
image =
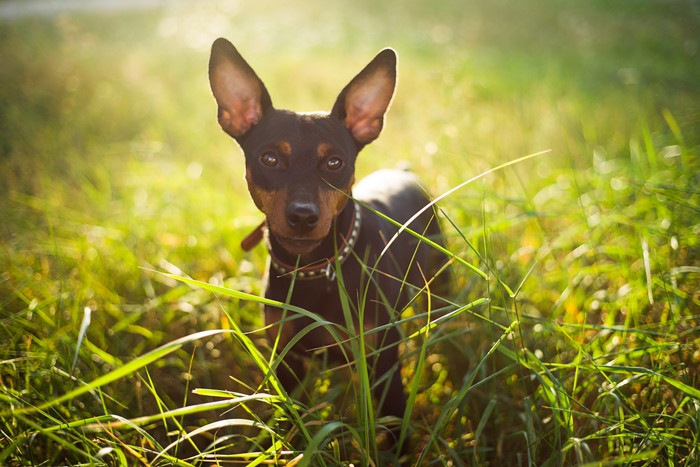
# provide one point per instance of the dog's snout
(303, 216)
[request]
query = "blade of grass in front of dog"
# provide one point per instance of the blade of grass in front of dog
(288, 299)
(260, 360)
(404, 228)
(364, 402)
(251, 348)
(243, 296)
(326, 325)
(420, 365)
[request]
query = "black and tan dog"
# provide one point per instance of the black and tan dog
(300, 169)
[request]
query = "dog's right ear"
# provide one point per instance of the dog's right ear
(240, 94)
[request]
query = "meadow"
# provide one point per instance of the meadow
(564, 135)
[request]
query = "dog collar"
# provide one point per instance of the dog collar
(324, 267)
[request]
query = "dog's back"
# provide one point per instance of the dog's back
(398, 195)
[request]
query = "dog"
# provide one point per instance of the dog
(327, 237)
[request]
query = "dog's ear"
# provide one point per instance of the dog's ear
(240, 94)
(364, 101)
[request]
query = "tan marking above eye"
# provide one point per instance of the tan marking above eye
(284, 148)
(323, 150)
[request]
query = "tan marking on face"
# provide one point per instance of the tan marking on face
(323, 150)
(263, 199)
(284, 148)
(338, 198)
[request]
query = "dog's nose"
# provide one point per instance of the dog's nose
(302, 216)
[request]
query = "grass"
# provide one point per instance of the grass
(581, 348)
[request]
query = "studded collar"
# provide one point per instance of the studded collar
(323, 267)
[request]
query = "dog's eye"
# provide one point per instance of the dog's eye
(334, 163)
(269, 159)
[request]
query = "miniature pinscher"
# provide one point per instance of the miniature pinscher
(326, 240)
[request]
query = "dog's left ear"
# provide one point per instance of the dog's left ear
(365, 100)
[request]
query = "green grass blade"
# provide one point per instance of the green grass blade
(232, 422)
(121, 372)
(451, 315)
(321, 437)
(81, 335)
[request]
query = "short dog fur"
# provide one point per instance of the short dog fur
(300, 170)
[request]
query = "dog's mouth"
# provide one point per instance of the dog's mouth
(298, 246)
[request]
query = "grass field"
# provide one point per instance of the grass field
(582, 344)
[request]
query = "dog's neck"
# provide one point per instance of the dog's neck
(336, 247)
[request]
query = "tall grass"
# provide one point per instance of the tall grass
(130, 325)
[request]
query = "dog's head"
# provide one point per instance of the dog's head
(299, 166)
